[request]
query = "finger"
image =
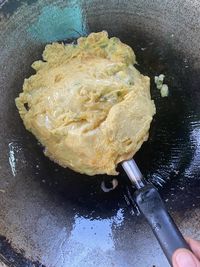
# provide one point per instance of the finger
(184, 258)
(195, 246)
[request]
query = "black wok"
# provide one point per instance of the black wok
(50, 216)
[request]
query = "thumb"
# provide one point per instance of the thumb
(184, 258)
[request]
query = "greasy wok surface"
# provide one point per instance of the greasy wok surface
(55, 217)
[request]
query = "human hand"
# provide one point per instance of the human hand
(185, 258)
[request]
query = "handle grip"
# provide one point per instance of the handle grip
(153, 208)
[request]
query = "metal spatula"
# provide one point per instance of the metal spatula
(153, 208)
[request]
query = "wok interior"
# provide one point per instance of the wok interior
(165, 38)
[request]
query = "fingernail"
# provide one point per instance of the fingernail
(185, 259)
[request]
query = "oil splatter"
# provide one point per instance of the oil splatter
(14, 154)
(84, 230)
(55, 23)
(195, 142)
(12, 159)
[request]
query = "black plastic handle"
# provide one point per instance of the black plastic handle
(153, 208)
